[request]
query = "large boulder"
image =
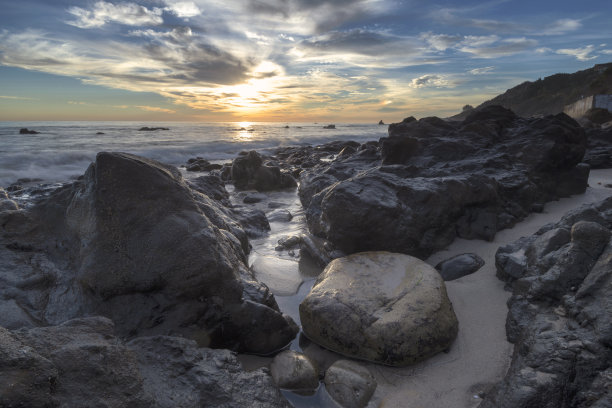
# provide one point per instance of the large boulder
(560, 314)
(381, 307)
(433, 180)
(133, 242)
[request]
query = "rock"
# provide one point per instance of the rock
(459, 265)
(288, 242)
(78, 363)
(252, 220)
(151, 129)
(351, 385)
(433, 180)
(254, 198)
(212, 186)
(329, 127)
(6, 204)
(559, 314)
(279, 215)
(249, 172)
(295, 371)
(81, 363)
(100, 133)
(176, 373)
(381, 307)
(381, 122)
(200, 164)
(133, 242)
(26, 131)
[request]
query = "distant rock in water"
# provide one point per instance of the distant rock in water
(329, 127)
(99, 133)
(381, 122)
(134, 242)
(432, 180)
(26, 131)
(149, 129)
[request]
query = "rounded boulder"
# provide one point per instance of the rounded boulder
(382, 307)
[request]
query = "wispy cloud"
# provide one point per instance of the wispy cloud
(437, 81)
(560, 27)
(481, 71)
(183, 9)
(494, 47)
(155, 109)
(124, 13)
(581, 54)
(20, 98)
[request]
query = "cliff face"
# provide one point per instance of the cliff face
(549, 95)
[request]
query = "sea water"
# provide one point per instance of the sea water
(63, 150)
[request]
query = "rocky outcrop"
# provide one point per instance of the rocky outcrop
(81, 363)
(380, 307)
(432, 180)
(250, 172)
(559, 314)
(26, 131)
(599, 149)
(133, 242)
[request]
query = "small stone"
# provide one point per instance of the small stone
(350, 384)
(295, 371)
(460, 265)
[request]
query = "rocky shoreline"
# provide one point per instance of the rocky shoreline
(164, 260)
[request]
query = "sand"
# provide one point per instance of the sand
(481, 355)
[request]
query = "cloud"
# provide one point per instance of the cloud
(154, 109)
(452, 16)
(560, 27)
(431, 80)
(492, 47)
(20, 98)
(606, 52)
(581, 54)
(183, 9)
(124, 13)
(441, 42)
(480, 71)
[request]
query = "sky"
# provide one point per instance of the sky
(283, 60)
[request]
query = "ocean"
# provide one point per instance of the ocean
(63, 150)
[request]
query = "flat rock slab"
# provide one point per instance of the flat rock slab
(280, 275)
(381, 307)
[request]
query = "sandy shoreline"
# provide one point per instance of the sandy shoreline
(481, 355)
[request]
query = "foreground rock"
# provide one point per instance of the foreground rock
(380, 307)
(349, 384)
(432, 180)
(81, 363)
(133, 242)
(295, 371)
(560, 314)
(459, 266)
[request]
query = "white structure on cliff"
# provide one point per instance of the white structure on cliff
(580, 107)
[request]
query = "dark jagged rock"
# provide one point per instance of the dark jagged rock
(200, 164)
(250, 172)
(460, 265)
(329, 127)
(26, 131)
(81, 363)
(381, 122)
(599, 149)
(133, 242)
(560, 314)
(151, 129)
(432, 180)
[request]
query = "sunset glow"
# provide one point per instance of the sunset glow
(283, 60)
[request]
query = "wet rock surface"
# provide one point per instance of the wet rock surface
(133, 242)
(381, 307)
(559, 314)
(459, 266)
(295, 371)
(82, 363)
(249, 171)
(433, 180)
(351, 385)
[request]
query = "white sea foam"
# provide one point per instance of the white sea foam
(63, 150)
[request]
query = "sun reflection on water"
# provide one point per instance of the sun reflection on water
(244, 131)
